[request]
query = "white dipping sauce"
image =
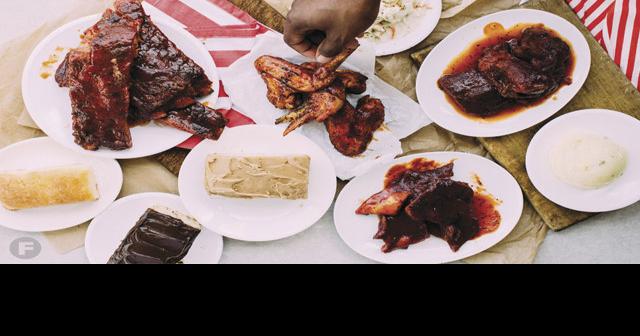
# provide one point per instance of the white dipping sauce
(588, 161)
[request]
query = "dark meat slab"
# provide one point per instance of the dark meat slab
(473, 92)
(400, 232)
(157, 238)
(511, 76)
(351, 129)
(401, 186)
(447, 206)
(545, 52)
(98, 76)
(420, 199)
(196, 119)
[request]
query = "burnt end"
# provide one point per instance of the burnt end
(473, 92)
(197, 119)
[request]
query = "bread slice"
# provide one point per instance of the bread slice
(28, 189)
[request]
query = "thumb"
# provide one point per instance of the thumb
(329, 48)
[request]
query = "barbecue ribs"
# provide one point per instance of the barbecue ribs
(127, 72)
(98, 76)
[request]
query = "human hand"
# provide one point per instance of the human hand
(320, 29)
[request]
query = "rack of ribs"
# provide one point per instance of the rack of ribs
(98, 76)
(127, 72)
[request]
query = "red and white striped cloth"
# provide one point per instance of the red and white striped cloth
(227, 32)
(616, 25)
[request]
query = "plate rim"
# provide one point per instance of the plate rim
(480, 130)
(390, 50)
(387, 165)
(134, 197)
(239, 237)
(535, 142)
(112, 154)
(119, 178)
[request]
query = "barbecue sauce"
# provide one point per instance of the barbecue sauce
(483, 207)
(496, 34)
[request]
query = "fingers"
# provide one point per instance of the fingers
(331, 46)
(296, 38)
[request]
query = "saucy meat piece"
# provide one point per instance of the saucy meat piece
(545, 52)
(196, 119)
(400, 232)
(98, 76)
(473, 92)
(511, 76)
(399, 189)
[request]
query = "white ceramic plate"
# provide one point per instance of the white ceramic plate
(106, 232)
(434, 101)
(50, 106)
(257, 219)
(45, 153)
(620, 128)
(417, 28)
(357, 231)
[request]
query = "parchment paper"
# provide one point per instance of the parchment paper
(140, 175)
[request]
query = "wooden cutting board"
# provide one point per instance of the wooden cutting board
(607, 87)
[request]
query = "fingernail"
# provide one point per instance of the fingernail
(323, 59)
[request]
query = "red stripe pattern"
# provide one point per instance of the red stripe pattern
(616, 25)
(219, 35)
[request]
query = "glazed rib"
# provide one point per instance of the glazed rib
(98, 75)
(196, 119)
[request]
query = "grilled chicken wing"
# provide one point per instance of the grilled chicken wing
(319, 106)
(353, 81)
(351, 130)
(280, 95)
(302, 79)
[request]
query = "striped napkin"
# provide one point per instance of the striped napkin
(226, 31)
(616, 25)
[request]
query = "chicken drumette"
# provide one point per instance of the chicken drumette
(351, 130)
(319, 106)
(303, 79)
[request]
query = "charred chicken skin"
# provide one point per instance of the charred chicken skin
(351, 130)
(302, 79)
(318, 106)
(318, 92)
(280, 95)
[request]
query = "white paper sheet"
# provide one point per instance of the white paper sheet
(403, 116)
